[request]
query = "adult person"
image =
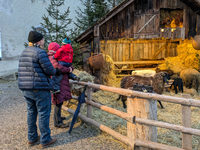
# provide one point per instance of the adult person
(65, 91)
(34, 80)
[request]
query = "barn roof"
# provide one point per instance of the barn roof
(194, 4)
(87, 34)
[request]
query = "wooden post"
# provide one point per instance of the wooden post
(146, 109)
(186, 121)
(89, 98)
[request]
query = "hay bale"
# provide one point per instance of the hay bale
(84, 77)
(187, 58)
(107, 75)
(191, 91)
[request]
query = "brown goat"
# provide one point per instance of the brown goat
(157, 82)
(169, 71)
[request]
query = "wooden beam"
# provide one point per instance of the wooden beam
(147, 23)
(135, 69)
(89, 95)
(132, 119)
(159, 51)
(131, 93)
(122, 138)
(111, 132)
(113, 111)
(186, 122)
(138, 62)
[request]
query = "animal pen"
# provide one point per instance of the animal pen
(141, 117)
(139, 54)
(141, 33)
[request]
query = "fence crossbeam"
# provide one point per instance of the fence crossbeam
(131, 93)
(133, 119)
(120, 137)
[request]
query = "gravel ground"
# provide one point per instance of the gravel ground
(13, 127)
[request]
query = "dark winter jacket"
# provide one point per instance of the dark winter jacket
(65, 53)
(35, 70)
(65, 91)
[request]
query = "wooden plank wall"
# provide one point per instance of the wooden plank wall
(136, 50)
(131, 19)
(121, 25)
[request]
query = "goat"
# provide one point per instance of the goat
(169, 71)
(178, 82)
(157, 82)
(191, 78)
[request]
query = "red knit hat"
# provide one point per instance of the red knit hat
(53, 46)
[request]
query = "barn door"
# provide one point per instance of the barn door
(146, 26)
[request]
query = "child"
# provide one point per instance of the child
(64, 55)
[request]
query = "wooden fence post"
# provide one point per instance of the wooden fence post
(146, 109)
(186, 121)
(89, 98)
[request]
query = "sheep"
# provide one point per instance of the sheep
(169, 71)
(144, 73)
(191, 78)
(178, 82)
(158, 83)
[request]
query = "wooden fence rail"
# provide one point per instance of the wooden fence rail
(131, 93)
(134, 119)
(135, 122)
(120, 137)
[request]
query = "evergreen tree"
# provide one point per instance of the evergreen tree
(100, 9)
(114, 3)
(94, 10)
(55, 28)
(84, 17)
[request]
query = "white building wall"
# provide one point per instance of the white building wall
(17, 17)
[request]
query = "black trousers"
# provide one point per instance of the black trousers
(57, 115)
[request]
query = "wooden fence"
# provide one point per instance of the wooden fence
(137, 134)
(133, 50)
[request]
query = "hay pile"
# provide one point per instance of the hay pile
(107, 75)
(187, 58)
(84, 77)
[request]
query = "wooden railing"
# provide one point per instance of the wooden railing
(133, 138)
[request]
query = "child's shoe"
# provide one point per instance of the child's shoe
(76, 78)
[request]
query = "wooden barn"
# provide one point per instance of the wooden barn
(142, 32)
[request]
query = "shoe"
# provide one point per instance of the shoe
(62, 126)
(32, 143)
(63, 118)
(53, 140)
(55, 91)
(76, 78)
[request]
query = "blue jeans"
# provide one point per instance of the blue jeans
(38, 103)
